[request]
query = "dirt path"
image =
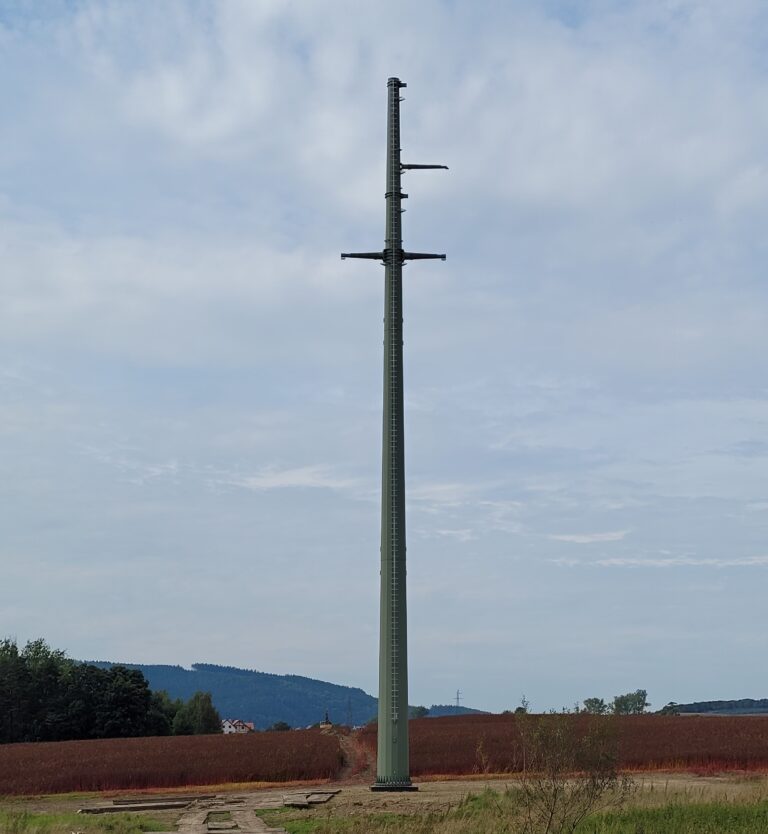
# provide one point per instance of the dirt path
(359, 765)
(241, 812)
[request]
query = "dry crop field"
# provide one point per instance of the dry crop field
(491, 743)
(465, 745)
(113, 764)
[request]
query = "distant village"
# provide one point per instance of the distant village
(231, 726)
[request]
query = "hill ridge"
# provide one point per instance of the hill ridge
(261, 697)
(267, 697)
(740, 706)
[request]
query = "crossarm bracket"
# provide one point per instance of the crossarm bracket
(421, 256)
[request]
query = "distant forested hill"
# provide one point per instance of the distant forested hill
(259, 696)
(439, 710)
(746, 706)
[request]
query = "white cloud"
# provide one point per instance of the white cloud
(302, 477)
(589, 538)
(136, 471)
(671, 562)
(462, 535)
(443, 494)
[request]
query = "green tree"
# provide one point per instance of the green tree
(524, 708)
(280, 726)
(162, 711)
(418, 712)
(43, 703)
(595, 706)
(197, 716)
(124, 707)
(45, 696)
(82, 690)
(633, 703)
(14, 692)
(182, 722)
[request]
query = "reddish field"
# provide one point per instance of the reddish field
(111, 764)
(491, 743)
(451, 746)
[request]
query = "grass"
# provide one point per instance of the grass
(492, 812)
(374, 823)
(26, 822)
(703, 818)
(219, 816)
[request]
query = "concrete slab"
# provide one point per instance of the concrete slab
(177, 797)
(138, 806)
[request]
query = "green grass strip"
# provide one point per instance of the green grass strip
(489, 812)
(28, 822)
(699, 818)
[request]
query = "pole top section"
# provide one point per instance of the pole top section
(396, 82)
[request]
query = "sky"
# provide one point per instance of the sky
(190, 378)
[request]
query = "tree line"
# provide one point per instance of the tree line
(631, 703)
(45, 696)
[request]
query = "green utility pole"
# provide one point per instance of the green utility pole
(393, 772)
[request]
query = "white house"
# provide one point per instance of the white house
(235, 725)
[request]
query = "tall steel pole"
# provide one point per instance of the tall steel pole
(393, 772)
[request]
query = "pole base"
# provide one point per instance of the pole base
(394, 786)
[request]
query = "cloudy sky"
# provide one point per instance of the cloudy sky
(190, 378)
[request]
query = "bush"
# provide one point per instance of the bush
(570, 771)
